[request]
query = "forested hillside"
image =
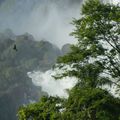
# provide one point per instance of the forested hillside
(19, 55)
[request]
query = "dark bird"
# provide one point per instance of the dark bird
(14, 47)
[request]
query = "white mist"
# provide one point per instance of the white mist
(50, 85)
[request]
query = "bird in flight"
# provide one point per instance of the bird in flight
(14, 47)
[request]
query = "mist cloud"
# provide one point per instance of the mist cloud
(50, 85)
(45, 19)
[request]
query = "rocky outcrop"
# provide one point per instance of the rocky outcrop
(66, 49)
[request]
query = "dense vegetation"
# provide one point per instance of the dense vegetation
(95, 61)
(16, 88)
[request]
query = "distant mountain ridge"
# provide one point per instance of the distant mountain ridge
(16, 88)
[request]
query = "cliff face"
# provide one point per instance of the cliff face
(15, 86)
(66, 49)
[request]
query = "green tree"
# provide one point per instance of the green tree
(96, 55)
(47, 109)
(95, 61)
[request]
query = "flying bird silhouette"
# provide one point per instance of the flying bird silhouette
(14, 47)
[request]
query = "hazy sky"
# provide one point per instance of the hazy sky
(45, 19)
